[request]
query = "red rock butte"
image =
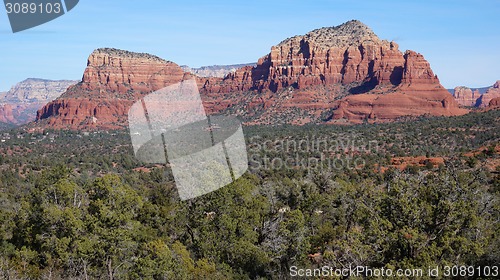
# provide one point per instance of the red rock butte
(342, 74)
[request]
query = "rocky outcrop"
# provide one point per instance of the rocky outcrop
(19, 105)
(465, 96)
(335, 75)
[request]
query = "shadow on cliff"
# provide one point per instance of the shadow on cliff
(395, 79)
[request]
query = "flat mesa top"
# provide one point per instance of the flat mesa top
(129, 54)
(350, 33)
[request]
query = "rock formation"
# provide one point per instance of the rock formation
(465, 96)
(344, 54)
(335, 75)
(478, 97)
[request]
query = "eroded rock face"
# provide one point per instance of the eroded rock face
(336, 75)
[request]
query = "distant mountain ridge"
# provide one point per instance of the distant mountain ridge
(35, 89)
(470, 97)
(219, 71)
(19, 104)
(481, 90)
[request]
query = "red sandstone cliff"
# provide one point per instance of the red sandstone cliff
(353, 64)
(125, 73)
(346, 54)
(112, 81)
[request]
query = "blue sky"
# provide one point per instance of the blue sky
(459, 38)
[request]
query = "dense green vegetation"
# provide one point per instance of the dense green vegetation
(75, 206)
